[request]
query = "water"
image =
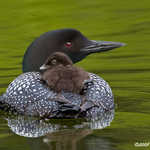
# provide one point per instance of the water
(126, 69)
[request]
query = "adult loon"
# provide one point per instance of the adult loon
(28, 95)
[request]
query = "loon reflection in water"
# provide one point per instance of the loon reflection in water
(34, 127)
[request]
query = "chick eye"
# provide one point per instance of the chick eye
(53, 61)
(68, 44)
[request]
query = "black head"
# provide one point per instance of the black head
(55, 59)
(68, 41)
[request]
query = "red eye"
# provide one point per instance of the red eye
(68, 44)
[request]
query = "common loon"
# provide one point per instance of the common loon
(28, 95)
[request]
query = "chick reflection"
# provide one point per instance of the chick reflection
(76, 140)
(66, 140)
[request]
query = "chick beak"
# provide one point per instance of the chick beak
(44, 67)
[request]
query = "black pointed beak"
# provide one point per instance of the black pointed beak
(100, 46)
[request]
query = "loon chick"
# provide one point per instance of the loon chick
(69, 41)
(60, 74)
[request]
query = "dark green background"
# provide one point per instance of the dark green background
(126, 69)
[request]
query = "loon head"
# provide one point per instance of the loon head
(69, 41)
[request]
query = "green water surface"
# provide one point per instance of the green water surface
(126, 69)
